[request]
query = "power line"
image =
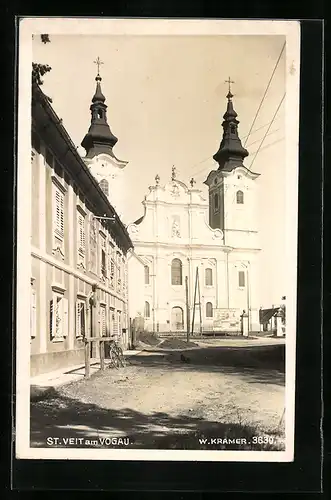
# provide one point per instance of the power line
(210, 157)
(258, 140)
(265, 93)
(261, 149)
(265, 135)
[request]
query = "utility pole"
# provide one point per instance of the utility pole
(195, 303)
(187, 311)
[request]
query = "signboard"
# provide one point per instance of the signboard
(227, 320)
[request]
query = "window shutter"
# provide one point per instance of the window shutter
(83, 319)
(59, 212)
(52, 320)
(78, 319)
(81, 233)
(103, 321)
(65, 317)
(33, 319)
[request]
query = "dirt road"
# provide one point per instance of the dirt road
(159, 395)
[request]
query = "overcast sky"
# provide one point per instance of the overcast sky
(166, 96)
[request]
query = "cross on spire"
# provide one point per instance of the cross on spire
(98, 62)
(229, 81)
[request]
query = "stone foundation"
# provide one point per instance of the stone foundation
(51, 361)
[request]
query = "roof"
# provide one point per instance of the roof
(138, 221)
(267, 314)
(76, 165)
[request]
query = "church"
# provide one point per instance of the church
(200, 257)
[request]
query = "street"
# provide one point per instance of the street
(159, 400)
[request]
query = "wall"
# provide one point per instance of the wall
(64, 272)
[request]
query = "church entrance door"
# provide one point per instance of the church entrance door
(177, 319)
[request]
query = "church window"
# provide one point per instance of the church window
(99, 113)
(233, 129)
(240, 197)
(241, 279)
(104, 184)
(209, 310)
(209, 277)
(146, 270)
(147, 312)
(176, 272)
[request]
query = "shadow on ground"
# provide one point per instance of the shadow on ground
(62, 417)
(260, 364)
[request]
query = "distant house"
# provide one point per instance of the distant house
(78, 249)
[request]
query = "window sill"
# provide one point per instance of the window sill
(58, 339)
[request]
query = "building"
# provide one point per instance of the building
(182, 235)
(79, 249)
(100, 158)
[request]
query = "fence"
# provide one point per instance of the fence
(100, 344)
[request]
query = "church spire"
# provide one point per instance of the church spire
(231, 153)
(99, 138)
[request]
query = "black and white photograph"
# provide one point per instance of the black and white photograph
(157, 239)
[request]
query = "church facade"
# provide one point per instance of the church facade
(200, 257)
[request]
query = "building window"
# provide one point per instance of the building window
(58, 317)
(240, 197)
(209, 310)
(93, 245)
(103, 324)
(216, 202)
(103, 262)
(80, 319)
(81, 242)
(119, 272)
(33, 314)
(233, 129)
(104, 184)
(176, 272)
(58, 212)
(112, 265)
(241, 278)
(147, 313)
(146, 270)
(209, 277)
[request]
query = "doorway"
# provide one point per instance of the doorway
(177, 319)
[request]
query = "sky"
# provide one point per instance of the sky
(166, 96)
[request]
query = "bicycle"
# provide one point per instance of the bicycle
(116, 355)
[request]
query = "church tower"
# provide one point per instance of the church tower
(98, 144)
(232, 187)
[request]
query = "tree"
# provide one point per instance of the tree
(38, 69)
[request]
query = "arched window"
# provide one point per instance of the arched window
(209, 310)
(209, 277)
(176, 272)
(146, 270)
(104, 184)
(216, 202)
(147, 313)
(233, 129)
(240, 197)
(99, 113)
